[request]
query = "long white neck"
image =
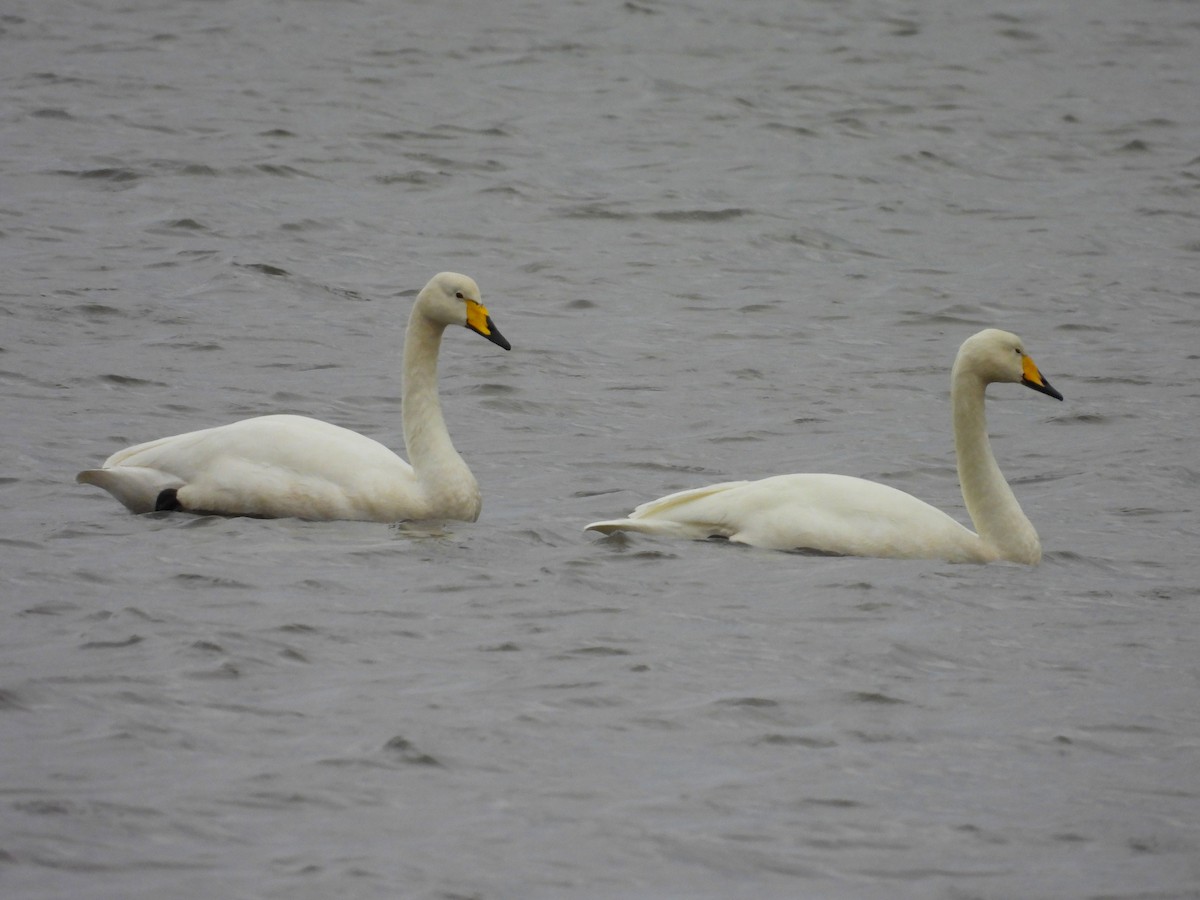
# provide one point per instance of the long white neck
(993, 507)
(448, 484)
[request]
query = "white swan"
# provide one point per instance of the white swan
(278, 466)
(839, 514)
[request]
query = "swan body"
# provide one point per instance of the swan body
(292, 466)
(843, 515)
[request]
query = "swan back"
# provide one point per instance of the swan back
(823, 513)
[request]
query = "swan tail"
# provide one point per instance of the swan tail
(681, 515)
(136, 487)
(660, 527)
(612, 526)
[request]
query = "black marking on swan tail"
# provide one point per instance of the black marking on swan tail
(168, 501)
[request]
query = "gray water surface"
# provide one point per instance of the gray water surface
(726, 241)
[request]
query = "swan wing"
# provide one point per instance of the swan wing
(270, 466)
(836, 514)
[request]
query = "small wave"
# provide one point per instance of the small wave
(129, 381)
(266, 269)
(751, 702)
(281, 171)
(796, 740)
(595, 211)
(409, 135)
(198, 169)
(116, 174)
(1137, 145)
(492, 389)
(195, 346)
(194, 579)
(112, 645)
(97, 310)
(873, 697)
(416, 177)
(597, 650)
(173, 225)
(403, 748)
(1083, 419)
(305, 225)
(699, 215)
(816, 239)
(11, 700)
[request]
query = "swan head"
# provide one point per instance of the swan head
(995, 355)
(453, 299)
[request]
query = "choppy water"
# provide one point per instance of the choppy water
(726, 240)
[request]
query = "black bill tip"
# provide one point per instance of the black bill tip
(1044, 387)
(494, 335)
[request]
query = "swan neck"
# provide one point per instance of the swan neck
(993, 507)
(430, 450)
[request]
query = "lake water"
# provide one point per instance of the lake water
(726, 241)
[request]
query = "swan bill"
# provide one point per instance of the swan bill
(1032, 378)
(480, 322)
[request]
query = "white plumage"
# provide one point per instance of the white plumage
(283, 465)
(840, 514)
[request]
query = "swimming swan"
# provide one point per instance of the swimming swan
(282, 465)
(839, 514)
